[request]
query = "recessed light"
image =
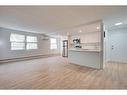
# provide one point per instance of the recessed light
(118, 23)
(80, 31)
(98, 28)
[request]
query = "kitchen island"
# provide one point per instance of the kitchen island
(86, 57)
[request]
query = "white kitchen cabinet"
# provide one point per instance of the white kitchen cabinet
(89, 37)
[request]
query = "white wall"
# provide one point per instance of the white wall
(6, 53)
(107, 43)
(118, 38)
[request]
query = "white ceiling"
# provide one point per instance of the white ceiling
(54, 19)
(81, 29)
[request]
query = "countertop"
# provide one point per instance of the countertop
(83, 50)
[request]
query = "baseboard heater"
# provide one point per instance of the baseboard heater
(120, 62)
(27, 58)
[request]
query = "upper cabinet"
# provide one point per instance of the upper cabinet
(88, 33)
(90, 37)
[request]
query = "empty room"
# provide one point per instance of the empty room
(63, 47)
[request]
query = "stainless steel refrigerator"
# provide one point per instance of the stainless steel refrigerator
(65, 48)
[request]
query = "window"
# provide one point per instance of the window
(31, 42)
(53, 43)
(20, 42)
(17, 42)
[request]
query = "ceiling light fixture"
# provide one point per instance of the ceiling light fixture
(80, 31)
(98, 28)
(118, 23)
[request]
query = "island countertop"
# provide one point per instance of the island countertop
(83, 50)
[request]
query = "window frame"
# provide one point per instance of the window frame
(25, 42)
(53, 44)
(34, 42)
(11, 48)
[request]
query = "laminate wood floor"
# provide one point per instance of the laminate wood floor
(57, 73)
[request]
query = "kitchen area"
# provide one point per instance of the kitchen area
(85, 45)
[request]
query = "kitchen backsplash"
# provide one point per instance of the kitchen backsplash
(95, 46)
(88, 40)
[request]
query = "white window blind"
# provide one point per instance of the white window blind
(31, 42)
(17, 42)
(31, 39)
(53, 43)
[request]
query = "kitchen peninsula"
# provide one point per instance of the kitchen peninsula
(88, 50)
(83, 57)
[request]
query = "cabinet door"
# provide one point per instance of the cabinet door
(82, 38)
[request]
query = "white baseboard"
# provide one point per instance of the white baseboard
(117, 62)
(27, 58)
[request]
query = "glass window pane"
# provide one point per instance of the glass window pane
(53, 40)
(17, 38)
(53, 46)
(31, 46)
(53, 43)
(31, 39)
(17, 46)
